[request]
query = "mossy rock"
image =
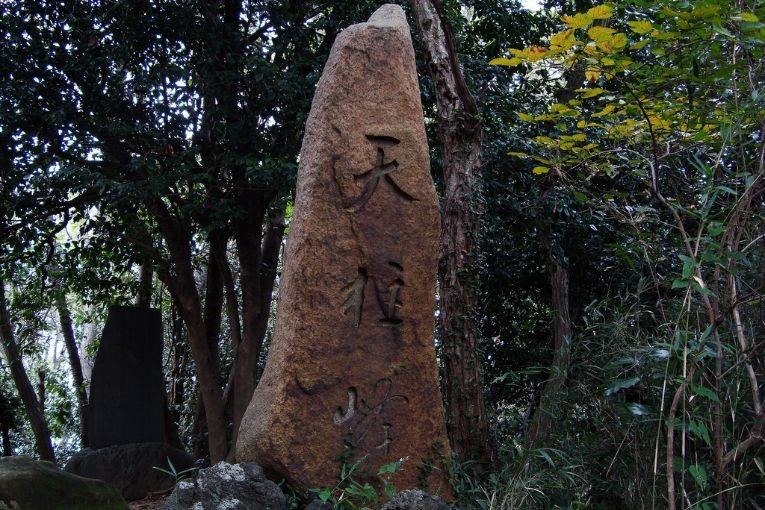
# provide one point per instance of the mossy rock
(27, 484)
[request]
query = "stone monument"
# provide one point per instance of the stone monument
(126, 389)
(351, 372)
(126, 411)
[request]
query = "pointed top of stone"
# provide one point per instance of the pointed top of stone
(389, 15)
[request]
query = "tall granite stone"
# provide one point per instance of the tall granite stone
(351, 370)
(126, 404)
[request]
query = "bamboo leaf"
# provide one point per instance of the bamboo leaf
(637, 409)
(699, 474)
(705, 392)
(621, 384)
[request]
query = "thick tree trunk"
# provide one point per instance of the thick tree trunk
(460, 134)
(23, 384)
(65, 320)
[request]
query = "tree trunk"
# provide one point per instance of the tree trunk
(23, 384)
(7, 421)
(172, 437)
(460, 134)
(179, 359)
(258, 259)
(544, 417)
(183, 288)
(65, 320)
(143, 298)
(7, 450)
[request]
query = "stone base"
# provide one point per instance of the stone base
(130, 467)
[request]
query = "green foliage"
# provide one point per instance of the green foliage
(536, 479)
(354, 492)
(658, 128)
(173, 472)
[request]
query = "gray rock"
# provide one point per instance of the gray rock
(131, 467)
(227, 487)
(415, 500)
(27, 484)
(316, 504)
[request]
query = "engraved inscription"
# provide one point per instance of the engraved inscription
(387, 440)
(340, 416)
(387, 291)
(390, 299)
(381, 171)
(363, 419)
(354, 296)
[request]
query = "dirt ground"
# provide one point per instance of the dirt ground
(153, 501)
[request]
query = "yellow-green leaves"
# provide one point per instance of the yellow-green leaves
(563, 41)
(746, 17)
(539, 170)
(609, 108)
(588, 93)
(532, 53)
(607, 39)
(584, 20)
(508, 62)
(577, 21)
(641, 27)
(600, 12)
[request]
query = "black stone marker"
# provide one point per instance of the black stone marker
(126, 386)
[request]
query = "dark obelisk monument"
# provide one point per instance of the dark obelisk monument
(351, 370)
(126, 389)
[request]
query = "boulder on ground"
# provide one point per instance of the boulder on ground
(36, 485)
(415, 500)
(227, 486)
(131, 468)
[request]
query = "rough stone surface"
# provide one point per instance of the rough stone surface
(126, 389)
(351, 369)
(415, 500)
(131, 468)
(227, 487)
(317, 504)
(33, 485)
